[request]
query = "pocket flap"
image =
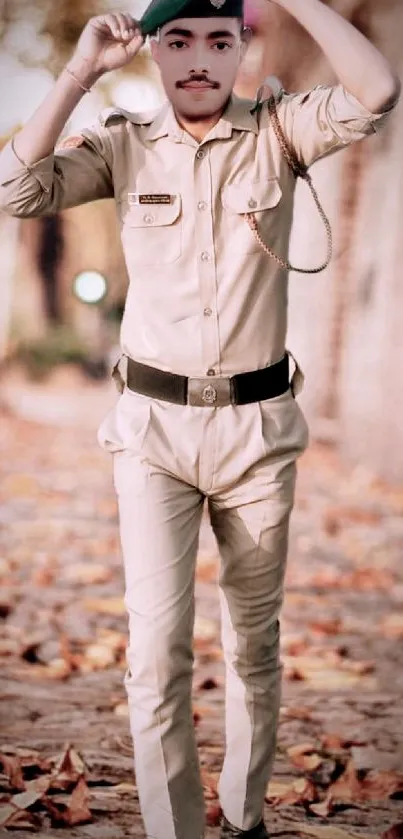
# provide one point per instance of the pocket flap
(251, 196)
(152, 215)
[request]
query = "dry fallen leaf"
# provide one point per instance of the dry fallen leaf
(205, 631)
(379, 784)
(376, 785)
(298, 791)
(97, 657)
(213, 815)
(75, 811)
(87, 573)
(13, 771)
(121, 709)
(23, 800)
(392, 626)
(298, 713)
(209, 781)
(12, 817)
(69, 767)
(337, 743)
(317, 671)
(331, 626)
(104, 605)
(304, 756)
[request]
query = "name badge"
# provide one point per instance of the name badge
(149, 198)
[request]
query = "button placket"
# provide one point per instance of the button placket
(206, 262)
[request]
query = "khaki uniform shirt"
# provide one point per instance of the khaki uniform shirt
(203, 295)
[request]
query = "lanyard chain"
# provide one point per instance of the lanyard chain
(299, 171)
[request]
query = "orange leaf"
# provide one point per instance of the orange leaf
(12, 768)
(334, 742)
(78, 810)
(304, 756)
(213, 815)
(298, 713)
(104, 605)
(392, 626)
(332, 626)
(209, 781)
(382, 784)
(69, 768)
(12, 817)
(347, 787)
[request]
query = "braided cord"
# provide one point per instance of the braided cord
(299, 171)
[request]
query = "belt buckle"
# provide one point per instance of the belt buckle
(213, 392)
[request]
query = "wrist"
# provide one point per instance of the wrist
(84, 70)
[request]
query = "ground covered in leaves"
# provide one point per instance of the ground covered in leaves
(66, 766)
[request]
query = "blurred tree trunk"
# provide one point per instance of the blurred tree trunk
(357, 160)
(50, 254)
(8, 247)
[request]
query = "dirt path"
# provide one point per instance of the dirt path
(63, 638)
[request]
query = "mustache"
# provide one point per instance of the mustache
(198, 78)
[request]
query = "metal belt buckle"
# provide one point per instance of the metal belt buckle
(212, 391)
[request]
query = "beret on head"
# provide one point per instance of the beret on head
(160, 12)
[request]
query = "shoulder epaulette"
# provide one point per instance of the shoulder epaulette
(113, 115)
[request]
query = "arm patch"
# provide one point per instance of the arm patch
(73, 142)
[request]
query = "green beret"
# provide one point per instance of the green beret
(160, 12)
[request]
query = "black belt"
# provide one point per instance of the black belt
(213, 391)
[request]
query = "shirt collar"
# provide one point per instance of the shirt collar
(237, 115)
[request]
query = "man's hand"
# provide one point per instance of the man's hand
(109, 42)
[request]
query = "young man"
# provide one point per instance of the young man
(206, 410)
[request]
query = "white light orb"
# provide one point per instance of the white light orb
(90, 286)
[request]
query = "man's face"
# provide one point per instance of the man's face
(198, 60)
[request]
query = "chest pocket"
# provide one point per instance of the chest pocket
(260, 197)
(152, 233)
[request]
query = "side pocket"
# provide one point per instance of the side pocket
(125, 427)
(284, 427)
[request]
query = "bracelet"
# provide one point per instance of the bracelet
(80, 84)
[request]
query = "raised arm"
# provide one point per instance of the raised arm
(359, 66)
(31, 181)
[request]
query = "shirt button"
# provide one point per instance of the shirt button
(211, 371)
(200, 154)
(149, 219)
(252, 204)
(205, 256)
(201, 205)
(207, 311)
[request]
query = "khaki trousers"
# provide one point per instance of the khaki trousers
(167, 459)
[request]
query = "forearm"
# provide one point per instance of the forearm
(357, 63)
(39, 135)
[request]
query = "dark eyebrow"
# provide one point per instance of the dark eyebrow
(185, 33)
(221, 33)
